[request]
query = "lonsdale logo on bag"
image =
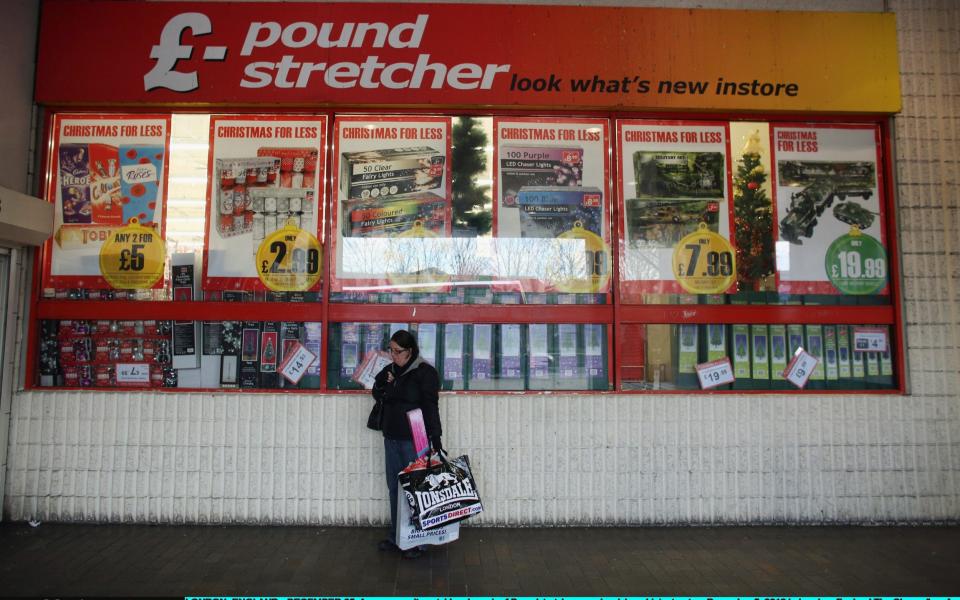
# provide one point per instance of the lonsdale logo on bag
(455, 493)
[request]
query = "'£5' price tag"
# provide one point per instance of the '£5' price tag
(800, 368)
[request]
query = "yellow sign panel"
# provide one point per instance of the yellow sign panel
(704, 262)
(133, 257)
(597, 254)
(288, 260)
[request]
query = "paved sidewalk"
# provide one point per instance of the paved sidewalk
(140, 560)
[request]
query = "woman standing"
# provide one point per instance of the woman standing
(407, 383)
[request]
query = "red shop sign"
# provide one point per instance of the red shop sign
(305, 53)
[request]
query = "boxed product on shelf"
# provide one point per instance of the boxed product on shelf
(141, 171)
(390, 171)
(386, 217)
(664, 222)
(481, 358)
(237, 177)
(673, 174)
(74, 167)
(547, 212)
(298, 166)
(526, 166)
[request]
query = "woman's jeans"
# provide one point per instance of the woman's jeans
(398, 454)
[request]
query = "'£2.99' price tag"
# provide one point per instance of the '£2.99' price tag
(714, 373)
(288, 260)
(800, 368)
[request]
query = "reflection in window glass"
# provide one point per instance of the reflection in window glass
(416, 220)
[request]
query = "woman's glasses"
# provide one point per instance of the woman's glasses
(397, 351)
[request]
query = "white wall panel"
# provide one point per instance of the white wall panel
(540, 460)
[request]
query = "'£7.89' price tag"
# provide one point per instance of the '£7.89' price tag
(714, 373)
(800, 368)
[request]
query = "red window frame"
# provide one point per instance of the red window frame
(613, 315)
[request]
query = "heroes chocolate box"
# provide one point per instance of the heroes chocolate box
(525, 166)
(390, 172)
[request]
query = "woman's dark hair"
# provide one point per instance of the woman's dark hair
(405, 339)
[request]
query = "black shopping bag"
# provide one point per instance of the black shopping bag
(442, 493)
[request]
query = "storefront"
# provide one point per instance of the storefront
(653, 253)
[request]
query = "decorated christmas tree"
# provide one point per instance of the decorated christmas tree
(469, 160)
(753, 218)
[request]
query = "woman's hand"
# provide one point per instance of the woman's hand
(389, 376)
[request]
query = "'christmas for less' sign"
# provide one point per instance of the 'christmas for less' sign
(674, 184)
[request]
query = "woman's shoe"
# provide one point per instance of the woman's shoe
(387, 546)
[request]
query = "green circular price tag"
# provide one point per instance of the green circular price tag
(856, 264)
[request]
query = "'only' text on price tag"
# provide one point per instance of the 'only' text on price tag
(714, 373)
(800, 368)
(869, 339)
(296, 363)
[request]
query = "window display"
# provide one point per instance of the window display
(551, 214)
(830, 215)
(392, 220)
(758, 356)
(266, 185)
(734, 256)
(673, 182)
(505, 356)
(106, 172)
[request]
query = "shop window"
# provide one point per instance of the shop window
(475, 356)
(848, 357)
(526, 252)
(470, 210)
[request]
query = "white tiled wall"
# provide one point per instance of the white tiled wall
(566, 459)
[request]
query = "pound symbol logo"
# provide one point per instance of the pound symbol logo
(169, 51)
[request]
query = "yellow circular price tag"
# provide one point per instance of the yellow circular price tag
(597, 263)
(704, 262)
(133, 257)
(288, 260)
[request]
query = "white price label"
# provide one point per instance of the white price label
(133, 373)
(800, 368)
(869, 339)
(714, 373)
(296, 363)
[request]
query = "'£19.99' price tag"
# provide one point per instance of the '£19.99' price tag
(714, 373)
(800, 368)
